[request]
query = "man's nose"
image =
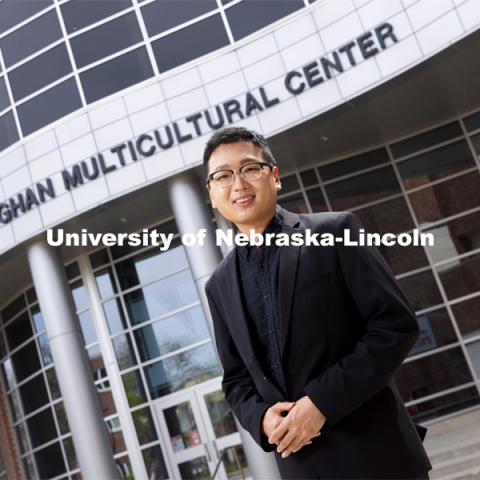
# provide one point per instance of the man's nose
(238, 182)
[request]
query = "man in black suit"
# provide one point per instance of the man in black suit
(308, 336)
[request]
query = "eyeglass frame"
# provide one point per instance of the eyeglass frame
(234, 172)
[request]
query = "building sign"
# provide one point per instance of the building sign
(150, 143)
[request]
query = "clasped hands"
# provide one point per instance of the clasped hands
(295, 430)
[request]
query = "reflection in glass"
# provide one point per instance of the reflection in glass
(99, 258)
(33, 394)
(19, 331)
(309, 177)
(182, 370)
(144, 425)
(26, 361)
(41, 427)
(53, 383)
(132, 383)
(421, 290)
(62, 418)
(96, 361)
(294, 203)
(37, 318)
(7, 371)
(473, 349)
(125, 468)
(79, 295)
(88, 330)
(236, 464)
(182, 427)
(161, 297)
(220, 414)
(196, 469)
(49, 461)
(106, 400)
(114, 314)
(171, 333)
(13, 308)
(154, 463)
(22, 437)
(70, 453)
(317, 200)
(105, 283)
(124, 351)
(432, 374)
(467, 315)
(460, 277)
(444, 404)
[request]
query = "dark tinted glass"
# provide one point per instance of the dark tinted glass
(116, 74)
(19, 331)
(72, 270)
(421, 289)
(34, 394)
(41, 427)
(99, 258)
(427, 139)
(436, 164)
(164, 14)
(40, 71)
(472, 122)
(353, 164)
(289, 184)
(26, 361)
(154, 462)
(309, 177)
(144, 425)
(13, 12)
(251, 15)
(80, 13)
(31, 38)
(4, 100)
(461, 277)
(363, 188)
(50, 461)
(317, 200)
(466, 314)
(106, 39)
(189, 43)
(294, 203)
(13, 308)
(8, 130)
(49, 106)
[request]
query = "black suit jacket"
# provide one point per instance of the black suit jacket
(345, 327)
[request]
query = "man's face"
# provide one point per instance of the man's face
(259, 197)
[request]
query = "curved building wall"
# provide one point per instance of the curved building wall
(304, 64)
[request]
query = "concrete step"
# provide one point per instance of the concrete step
(455, 451)
(457, 468)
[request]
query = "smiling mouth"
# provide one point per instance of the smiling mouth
(244, 201)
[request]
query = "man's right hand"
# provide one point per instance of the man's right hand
(274, 416)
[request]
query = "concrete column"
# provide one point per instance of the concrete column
(82, 406)
(191, 215)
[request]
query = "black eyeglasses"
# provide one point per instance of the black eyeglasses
(249, 172)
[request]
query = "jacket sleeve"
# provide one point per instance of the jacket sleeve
(237, 384)
(391, 329)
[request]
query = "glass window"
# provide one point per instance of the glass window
(182, 370)
(190, 42)
(467, 314)
(12, 12)
(99, 258)
(154, 463)
(53, 383)
(49, 461)
(79, 295)
(353, 164)
(78, 14)
(116, 74)
(13, 308)
(88, 329)
(31, 295)
(124, 351)
(49, 106)
(317, 200)
(162, 15)
(39, 72)
(473, 349)
(476, 144)
(4, 100)
(26, 361)
(161, 297)
(461, 277)
(432, 374)
(96, 361)
(472, 122)
(144, 426)
(45, 351)
(444, 405)
(33, 394)
(106, 39)
(309, 177)
(453, 238)
(19, 330)
(150, 265)
(62, 418)
(22, 440)
(132, 383)
(70, 453)
(289, 184)
(251, 15)
(72, 270)
(31, 38)
(171, 333)
(37, 318)
(363, 188)
(426, 140)
(41, 427)
(434, 165)
(105, 283)
(114, 314)
(436, 330)
(7, 371)
(8, 130)
(295, 203)
(421, 290)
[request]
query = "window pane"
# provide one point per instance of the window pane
(34, 394)
(99, 258)
(161, 297)
(432, 374)
(116, 74)
(439, 163)
(81, 13)
(41, 427)
(144, 426)
(53, 383)
(26, 361)
(436, 330)
(150, 265)
(171, 333)
(467, 314)
(461, 277)
(13, 12)
(31, 38)
(353, 164)
(49, 106)
(45, 351)
(289, 184)
(79, 295)
(19, 331)
(251, 15)
(132, 383)
(115, 319)
(42, 70)
(70, 453)
(294, 203)
(62, 418)
(190, 42)
(162, 15)
(317, 200)
(105, 283)
(182, 370)
(309, 177)
(154, 463)
(13, 308)
(421, 290)
(124, 351)
(427, 139)
(37, 318)
(472, 122)
(363, 188)
(50, 461)
(8, 130)
(4, 100)
(88, 330)
(106, 39)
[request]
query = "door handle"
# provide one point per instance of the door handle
(207, 451)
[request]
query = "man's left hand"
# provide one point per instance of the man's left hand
(303, 422)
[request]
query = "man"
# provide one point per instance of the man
(309, 337)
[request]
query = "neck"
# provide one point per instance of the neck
(257, 227)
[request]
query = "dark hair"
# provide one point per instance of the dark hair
(232, 135)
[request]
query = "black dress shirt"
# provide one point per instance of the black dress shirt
(258, 268)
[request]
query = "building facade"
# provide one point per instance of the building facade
(105, 107)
